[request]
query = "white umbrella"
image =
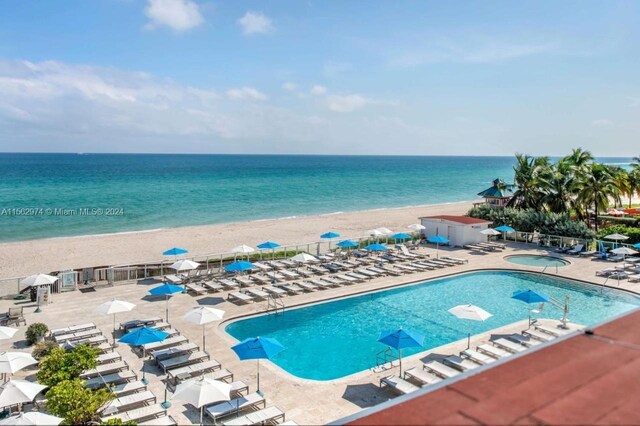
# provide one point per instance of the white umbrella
(625, 251)
(38, 280)
(202, 315)
(113, 307)
(243, 250)
(490, 231)
(470, 312)
(304, 258)
(417, 227)
(385, 231)
(32, 418)
(201, 392)
(19, 391)
(7, 332)
(616, 237)
(184, 265)
(10, 362)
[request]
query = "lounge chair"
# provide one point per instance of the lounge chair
(185, 348)
(605, 272)
(104, 369)
(276, 291)
(462, 364)
(493, 351)
(261, 278)
(165, 420)
(228, 283)
(440, 369)
(122, 377)
(212, 286)
(275, 276)
(398, 385)
(139, 414)
(316, 269)
(358, 276)
(169, 342)
(244, 281)
(417, 374)
(523, 340)
(61, 338)
(308, 286)
(406, 268)
(421, 266)
(128, 388)
(634, 278)
(256, 293)
(290, 275)
(192, 370)
(268, 415)
(393, 271)
(508, 345)
(128, 402)
(347, 278)
(576, 250)
(320, 284)
(183, 360)
(367, 273)
(237, 405)
(109, 357)
(127, 326)
(173, 279)
(550, 330)
(261, 266)
(538, 335)
(240, 297)
(72, 329)
(456, 259)
(291, 288)
(305, 273)
(336, 282)
(478, 357)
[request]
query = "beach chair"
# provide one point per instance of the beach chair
(405, 251)
(406, 268)
(173, 279)
(333, 281)
(508, 345)
(477, 357)
(288, 263)
(358, 277)
(275, 276)
(347, 279)
(183, 360)
(393, 271)
(493, 351)
(165, 420)
(71, 337)
(109, 358)
(605, 272)
(418, 375)
(440, 369)
(421, 266)
(228, 284)
(366, 272)
(261, 266)
(307, 286)
(289, 275)
(523, 340)
(104, 369)
(398, 384)
(127, 326)
(538, 335)
(169, 342)
(550, 330)
(316, 269)
(379, 271)
(438, 262)
(122, 377)
(275, 264)
(256, 293)
(245, 281)
(462, 364)
(319, 284)
(305, 273)
(128, 388)
(128, 402)
(456, 259)
(212, 286)
(576, 250)
(72, 329)
(276, 291)
(187, 372)
(261, 278)
(183, 349)
(268, 415)
(139, 414)
(237, 405)
(195, 288)
(291, 288)
(240, 297)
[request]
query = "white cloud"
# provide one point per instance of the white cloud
(602, 122)
(246, 93)
(347, 103)
(318, 90)
(179, 15)
(634, 102)
(255, 23)
(289, 86)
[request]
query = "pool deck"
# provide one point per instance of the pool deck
(304, 401)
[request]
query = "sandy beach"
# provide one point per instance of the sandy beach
(47, 255)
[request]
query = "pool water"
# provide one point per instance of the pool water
(536, 260)
(334, 339)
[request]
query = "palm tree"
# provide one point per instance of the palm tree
(558, 188)
(596, 187)
(621, 181)
(634, 182)
(527, 173)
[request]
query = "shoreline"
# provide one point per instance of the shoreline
(26, 257)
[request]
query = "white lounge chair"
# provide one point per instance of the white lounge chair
(576, 250)
(477, 357)
(462, 364)
(440, 369)
(508, 345)
(183, 360)
(257, 293)
(523, 340)
(128, 402)
(398, 385)
(308, 286)
(538, 335)
(240, 297)
(268, 415)
(277, 291)
(195, 288)
(493, 351)
(244, 281)
(139, 414)
(212, 286)
(550, 330)
(237, 405)
(228, 283)
(421, 376)
(175, 351)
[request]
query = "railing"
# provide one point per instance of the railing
(274, 302)
(385, 357)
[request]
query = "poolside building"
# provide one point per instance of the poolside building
(498, 194)
(459, 230)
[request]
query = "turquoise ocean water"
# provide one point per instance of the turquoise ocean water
(334, 339)
(159, 191)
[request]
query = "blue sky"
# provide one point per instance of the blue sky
(348, 77)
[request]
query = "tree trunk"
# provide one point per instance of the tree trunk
(596, 210)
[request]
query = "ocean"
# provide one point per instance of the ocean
(56, 195)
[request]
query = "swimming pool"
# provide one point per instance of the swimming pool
(336, 338)
(536, 260)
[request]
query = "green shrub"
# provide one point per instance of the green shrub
(76, 403)
(629, 221)
(117, 421)
(632, 232)
(61, 365)
(43, 349)
(35, 332)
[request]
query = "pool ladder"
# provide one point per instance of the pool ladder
(275, 304)
(385, 356)
(545, 268)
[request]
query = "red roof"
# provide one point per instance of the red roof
(466, 220)
(583, 380)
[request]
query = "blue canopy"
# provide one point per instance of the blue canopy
(438, 239)
(529, 296)
(636, 245)
(268, 245)
(505, 228)
(401, 339)
(239, 266)
(376, 247)
(175, 251)
(166, 290)
(142, 336)
(329, 235)
(347, 243)
(401, 236)
(258, 348)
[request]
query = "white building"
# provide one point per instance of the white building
(459, 230)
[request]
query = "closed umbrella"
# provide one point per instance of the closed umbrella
(166, 290)
(10, 362)
(18, 392)
(113, 307)
(202, 315)
(7, 332)
(437, 240)
(472, 313)
(32, 418)
(38, 280)
(258, 348)
(202, 391)
(401, 339)
(141, 337)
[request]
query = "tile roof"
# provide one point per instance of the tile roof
(583, 380)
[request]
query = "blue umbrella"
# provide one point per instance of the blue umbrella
(329, 235)
(636, 245)
(141, 337)
(437, 240)
(239, 266)
(258, 348)
(376, 247)
(401, 339)
(347, 244)
(175, 251)
(505, 228)
(166, 290)
(401, 236)
(269, 245)
(530, 296)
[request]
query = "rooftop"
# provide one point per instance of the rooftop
(499, 189)
(585, 379)
(466, 220)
